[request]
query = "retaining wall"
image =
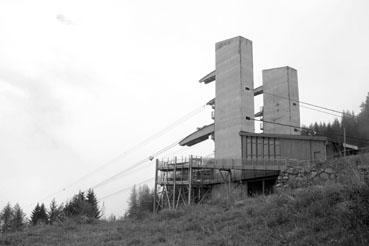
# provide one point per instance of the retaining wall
(346, 170)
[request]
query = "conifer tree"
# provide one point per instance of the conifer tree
(39, 215)
(133, 203)
(18, 218)
(145, 199)
(43, 214)
(34, 214)
(78, 206)
(92, 201)
(55, 212)
(363, 118)
(6, 217)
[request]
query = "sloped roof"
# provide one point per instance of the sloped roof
(198, 136)
(210, 77)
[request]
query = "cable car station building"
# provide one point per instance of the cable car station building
(244, 159)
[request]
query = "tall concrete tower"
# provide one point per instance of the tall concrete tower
(281, 96)
(234, 91)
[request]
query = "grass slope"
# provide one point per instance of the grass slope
(318, 215)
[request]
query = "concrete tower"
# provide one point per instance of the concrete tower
(234, 91)
(281, 96)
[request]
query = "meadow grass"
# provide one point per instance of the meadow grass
(316, 215)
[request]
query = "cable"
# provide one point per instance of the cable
(304, 128)
(275, 123)
(122, 173)
(309, 104)
(313, 105)
(179, 121)
(145, 141)
(302, 106)
(363, 139)
(125, 189)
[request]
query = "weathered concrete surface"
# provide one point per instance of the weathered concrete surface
(234, 95)
(281, 96)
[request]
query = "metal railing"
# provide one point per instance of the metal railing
(211, 171)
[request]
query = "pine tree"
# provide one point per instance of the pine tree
(43, 214)
(6, 217)
(18, 218)
(363, 120)
(145, 200)
(91, 199)
(34, 215)
(133, 203)
(39, 215)
(81, 196)
(55, 212)
(78, 206)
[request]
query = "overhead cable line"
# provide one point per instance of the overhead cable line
(304, 128)
(145, 141)
(126, 189)
(343, 114)
(306, 103)
(177, 122)
(137, 164)
(302, 106)
(143, 182)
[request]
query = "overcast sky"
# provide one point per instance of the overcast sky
(82, 81)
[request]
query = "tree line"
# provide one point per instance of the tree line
(83, 207)
(356, 126)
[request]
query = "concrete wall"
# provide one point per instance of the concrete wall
(303, 149)
(280, 90)
(264, 146)
(240, 190)
(234, 95)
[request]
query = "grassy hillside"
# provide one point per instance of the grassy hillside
(317, 215)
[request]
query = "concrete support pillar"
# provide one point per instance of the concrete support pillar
(234, 95)
(281, 96)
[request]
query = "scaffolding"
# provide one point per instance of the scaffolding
(191, 179)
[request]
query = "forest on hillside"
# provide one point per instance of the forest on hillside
(356, 126)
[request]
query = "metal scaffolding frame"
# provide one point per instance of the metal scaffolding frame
(190, 180)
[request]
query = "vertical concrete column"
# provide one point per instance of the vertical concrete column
(281, 96)
(234, 95)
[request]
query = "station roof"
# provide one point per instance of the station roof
(211, 102)
(259, 114)
(204, 132)
(210, 77)
(198, 136)
(258, 90)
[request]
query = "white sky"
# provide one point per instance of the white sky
(81, 81)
